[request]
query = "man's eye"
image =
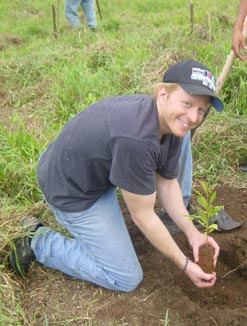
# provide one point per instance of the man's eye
(201, 111)
(187, 104)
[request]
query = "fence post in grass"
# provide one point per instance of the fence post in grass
(191, 16)
(58, 13)
(54, 21)
(97, 3)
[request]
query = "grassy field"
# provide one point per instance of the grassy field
(46, 78)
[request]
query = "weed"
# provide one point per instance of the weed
(167, 320)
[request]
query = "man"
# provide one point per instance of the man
(238, 40)
(71, 7)
(132, 142)
(238, 43)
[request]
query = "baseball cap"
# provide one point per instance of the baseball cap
(195, 79)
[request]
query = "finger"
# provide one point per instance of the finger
(196, 254)
(236, 50)
(215, 259)
(243, 43)
(208, 284)
(216, 247)
(209, 279)
(216, 252)
(242, 56)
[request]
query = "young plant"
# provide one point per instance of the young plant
(206, 209)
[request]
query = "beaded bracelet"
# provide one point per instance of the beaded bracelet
(186, 264)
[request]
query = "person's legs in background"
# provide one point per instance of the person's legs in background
(70, 10)
(89, 10)
(186, 169)
(184, 180)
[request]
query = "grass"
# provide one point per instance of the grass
(46, 80)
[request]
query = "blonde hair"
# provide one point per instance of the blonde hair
(170, 87)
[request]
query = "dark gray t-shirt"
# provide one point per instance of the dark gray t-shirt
(112, 143)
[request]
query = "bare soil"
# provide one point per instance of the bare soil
(50, 298)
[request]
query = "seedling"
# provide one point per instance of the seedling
(206, 209)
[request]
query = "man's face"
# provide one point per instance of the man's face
(180, 112)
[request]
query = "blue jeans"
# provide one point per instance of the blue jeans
(100, 250)
(186, 169)
(70, 10)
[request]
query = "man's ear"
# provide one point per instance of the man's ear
(162, 94)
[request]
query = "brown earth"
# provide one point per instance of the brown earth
(50, 298)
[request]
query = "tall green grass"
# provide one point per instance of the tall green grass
(19, 153)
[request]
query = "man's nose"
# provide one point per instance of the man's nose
(193, 115)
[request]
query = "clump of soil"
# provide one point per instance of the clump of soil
(51, 298)
(206, 253)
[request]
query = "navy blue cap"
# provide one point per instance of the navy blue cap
(195, 79)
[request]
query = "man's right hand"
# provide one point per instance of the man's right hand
(238, 43)
(198, 277)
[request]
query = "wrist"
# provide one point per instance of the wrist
(191, 231)
(185, 264)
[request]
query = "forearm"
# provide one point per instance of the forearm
(141, 209)
(158, 235)
(171, 199)
(241, 15)
(239, 31)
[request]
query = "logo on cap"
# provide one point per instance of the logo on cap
(204, 76)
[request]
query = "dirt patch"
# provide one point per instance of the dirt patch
(50, 296)
(7, 40)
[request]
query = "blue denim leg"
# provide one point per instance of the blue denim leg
(100, 251)
(186, 169)
(70, 10)
(89, 10)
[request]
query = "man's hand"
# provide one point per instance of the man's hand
(238, 43)
(198, 277)
(197, 240)
(240, 31)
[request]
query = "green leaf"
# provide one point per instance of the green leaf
(212, 227)
(202, 201)
(204, 186)
(212, 197)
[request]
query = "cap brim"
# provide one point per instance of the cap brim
(200, 90)
(216, 103)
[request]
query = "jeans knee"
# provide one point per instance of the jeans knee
(132, 281)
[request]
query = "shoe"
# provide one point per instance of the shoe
(170, 225)
(193, 211)
(225, 222)
(93, 29)
(243, 167)
(21, 254)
